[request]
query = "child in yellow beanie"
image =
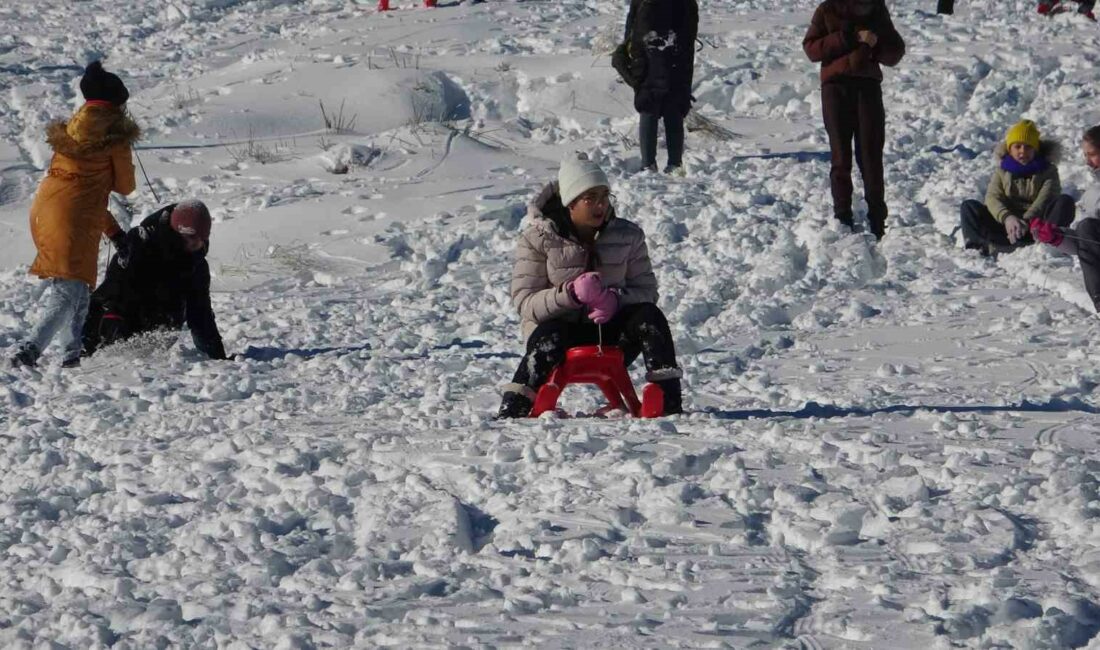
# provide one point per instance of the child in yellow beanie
(1024, 187)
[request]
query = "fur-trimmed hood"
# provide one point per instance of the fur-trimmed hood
(92, 130)
(1049, 150)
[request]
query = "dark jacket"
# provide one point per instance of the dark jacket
(661, 33)
(162, 285)
(831, 40)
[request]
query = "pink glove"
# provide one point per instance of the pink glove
(602, 302)
(1045, 231)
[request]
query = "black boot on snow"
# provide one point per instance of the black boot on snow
(514, 405)
(27, 355)
(674, 400)
(878, 227)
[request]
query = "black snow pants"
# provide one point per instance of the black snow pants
(983, 232)
(1088, 251)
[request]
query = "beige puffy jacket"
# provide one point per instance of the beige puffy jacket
(549, 255)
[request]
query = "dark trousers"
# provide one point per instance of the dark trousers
(853, 110)
(637, 329)
(674, 136)
(980, 229)
(1088, 251)
(945, 7)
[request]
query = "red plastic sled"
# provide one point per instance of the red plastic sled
(604, 367)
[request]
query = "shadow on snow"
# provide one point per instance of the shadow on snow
(815, 410)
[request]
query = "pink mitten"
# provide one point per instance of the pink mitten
(588, 287)
(1045, 231)
(603, 309)
(602, 302)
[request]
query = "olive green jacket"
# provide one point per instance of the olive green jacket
(1023, 196)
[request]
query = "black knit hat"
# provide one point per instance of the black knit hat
(98, 84)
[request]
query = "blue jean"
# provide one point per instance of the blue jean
(65, 309)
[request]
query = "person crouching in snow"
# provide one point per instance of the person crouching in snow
(1051, 7)
(1084, 239)
(1024, 186)
(163, 283)
(578, 268)
(92, 158)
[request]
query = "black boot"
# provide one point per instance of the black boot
(514, 405)
(27, 355)
(846, 219)
(878, 226)
(674, 401)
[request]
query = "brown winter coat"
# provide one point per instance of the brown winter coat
(831, 40)
(69, 214)
(1023, 196)
(549, 255)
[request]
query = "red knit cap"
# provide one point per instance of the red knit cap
(191, 218)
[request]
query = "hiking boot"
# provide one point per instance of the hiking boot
(845, 218)
(878, 228)
(673, 396)
(72, 362)
(27, 355)
(514, 405)
(675, 170)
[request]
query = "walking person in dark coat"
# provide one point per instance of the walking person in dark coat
(163, 283)
(661, 37)
(852, 39)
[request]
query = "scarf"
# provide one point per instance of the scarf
(1037, 164)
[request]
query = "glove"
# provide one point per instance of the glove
(122, 249)
(1045, 231)
(602, 302)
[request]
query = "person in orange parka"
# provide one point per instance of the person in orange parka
(92, 158)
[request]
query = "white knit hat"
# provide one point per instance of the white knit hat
(577, 175)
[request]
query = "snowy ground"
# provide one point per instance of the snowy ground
(890, 445)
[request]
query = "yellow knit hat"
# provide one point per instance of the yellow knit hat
(1023, 131)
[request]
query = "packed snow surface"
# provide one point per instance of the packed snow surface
(889, 445)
